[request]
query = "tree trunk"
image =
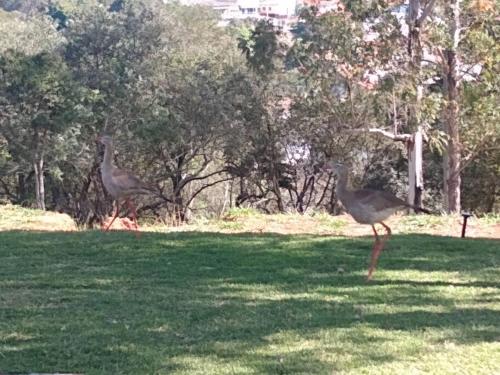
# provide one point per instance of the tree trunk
(179, 210)
(231, 193)
(179, 214)
(21, 188)
(414, 48)
(452, 157)
(243, 194)
(277, 192)
(39, 182)
(415, 169)
(416, 17)
(275, 188)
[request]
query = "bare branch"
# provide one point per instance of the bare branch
(324, 190)
(430, 62)
(205, 187)
(385, 133)
(467, 72)
(192, 178)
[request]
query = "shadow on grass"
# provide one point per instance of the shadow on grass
(108, 303)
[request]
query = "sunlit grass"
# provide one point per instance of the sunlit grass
(204, 303)
(242, 220)
(19, 218)
(250, 220)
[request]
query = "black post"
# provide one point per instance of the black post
(465, 215)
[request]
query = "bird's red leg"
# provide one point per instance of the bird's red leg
(375, 233)
(133, 212)
(388, 230)
(377, 249)
(117, 212)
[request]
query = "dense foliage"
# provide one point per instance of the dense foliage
(243, 115)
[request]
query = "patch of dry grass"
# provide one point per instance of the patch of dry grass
(20, 218)
(343, 225)
(252, 221)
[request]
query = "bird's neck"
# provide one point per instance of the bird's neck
(342, 185)
(107, 163)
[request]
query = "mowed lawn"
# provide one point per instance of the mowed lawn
(207, 303)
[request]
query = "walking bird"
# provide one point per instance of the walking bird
(368, 206)
(120, 184)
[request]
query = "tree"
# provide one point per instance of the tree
(40, 100)
(265, 116)
(28, 35)
(183, 107)
(106, 52)
(180, 132)
(462, 40)
(208, 124)
(29, 7)
(337, 102)
(479, 118)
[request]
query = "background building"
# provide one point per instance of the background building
(282, 13)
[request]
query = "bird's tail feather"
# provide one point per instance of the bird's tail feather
(147, 189)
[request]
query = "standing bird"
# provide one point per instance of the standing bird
(368, 206)
(120, 184)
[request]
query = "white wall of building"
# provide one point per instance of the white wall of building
(279, 7)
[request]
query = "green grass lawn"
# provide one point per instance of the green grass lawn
(202, 303)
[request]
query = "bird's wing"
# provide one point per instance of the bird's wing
(127, 181)
(378, 199)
